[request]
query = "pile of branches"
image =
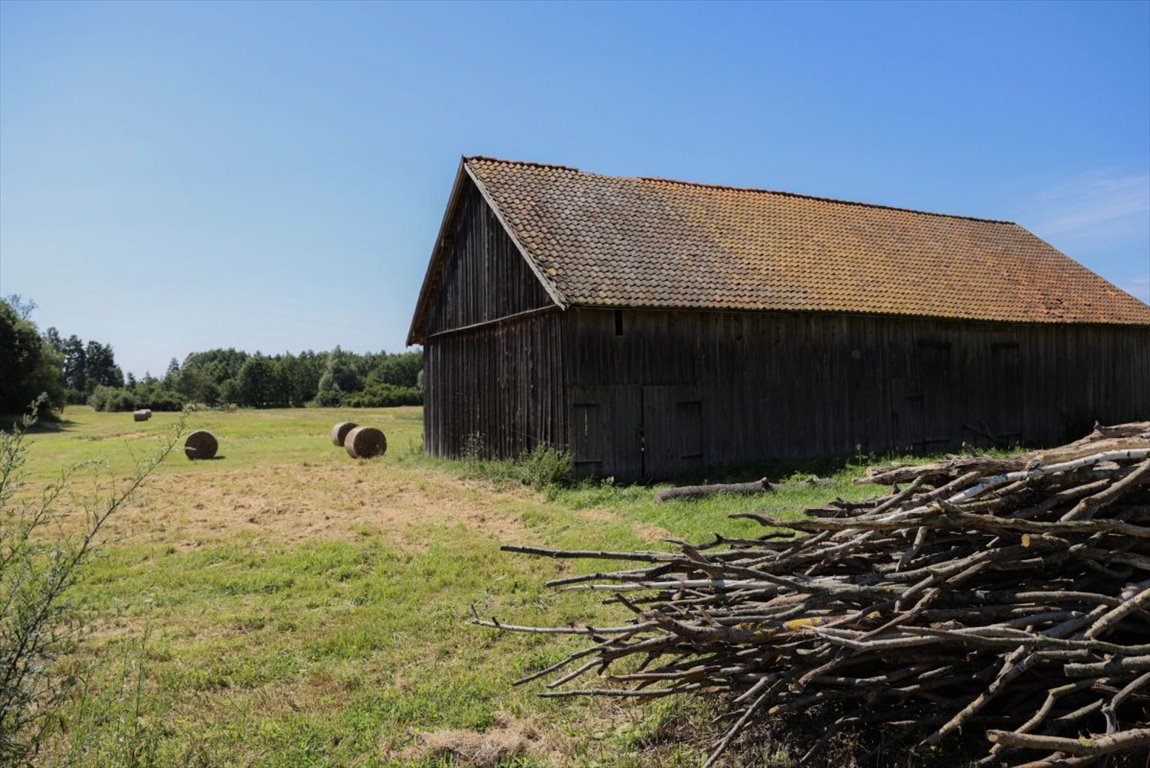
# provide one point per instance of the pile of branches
(1007, 596)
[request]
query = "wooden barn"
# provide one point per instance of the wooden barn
(656, 327)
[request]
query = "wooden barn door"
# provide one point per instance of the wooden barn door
(939, 404)
(1006, 416)
(632, 432)
(672, 430)
(922, 406)
(607, 431)
(906, 414)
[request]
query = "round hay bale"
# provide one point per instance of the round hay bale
(365, 443)
(339, 431)
(141, 415)
(201, 444)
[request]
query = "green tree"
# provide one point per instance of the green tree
(259, 383)
(75, 365)
(28, 365)
(172, 374)
(400, 370)
(53, 340)
(195, 384)
(101, 368)
(230, 392)
(340, 378)
(301, 375)
(21, 306)
(210, 377)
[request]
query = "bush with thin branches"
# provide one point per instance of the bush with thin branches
(39, 561)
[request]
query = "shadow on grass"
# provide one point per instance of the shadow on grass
(772, 469)
(775, 470)
(44, 424)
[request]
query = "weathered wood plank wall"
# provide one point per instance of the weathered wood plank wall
(789, 385)
(496, 389)
(486, 277)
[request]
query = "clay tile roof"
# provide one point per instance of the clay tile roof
(641, 242)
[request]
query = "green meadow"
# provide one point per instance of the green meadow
(286, 605)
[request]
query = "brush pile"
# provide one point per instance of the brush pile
(1005, 596)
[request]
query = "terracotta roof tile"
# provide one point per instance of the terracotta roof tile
(641, 242)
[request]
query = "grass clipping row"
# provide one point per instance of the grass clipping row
(1005, 597)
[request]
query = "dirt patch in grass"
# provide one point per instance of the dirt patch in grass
(314, 502)
(138, 435)
(644, 530)
(468, 748)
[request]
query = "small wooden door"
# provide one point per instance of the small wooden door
(672, 431)
(607, 431)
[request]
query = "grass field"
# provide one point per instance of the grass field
(285, 605)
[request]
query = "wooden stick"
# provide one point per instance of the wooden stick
(702, 491)
(1094, 747)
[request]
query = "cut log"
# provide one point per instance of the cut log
(702, 491)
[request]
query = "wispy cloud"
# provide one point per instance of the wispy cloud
(1138, 287)
(1092, 204)
(1102, 220)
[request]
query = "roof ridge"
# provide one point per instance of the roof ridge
(731, 188)
(488, 158)
(820, 198)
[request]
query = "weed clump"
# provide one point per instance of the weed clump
(548, 467)
(543, 468)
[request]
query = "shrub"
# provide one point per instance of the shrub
(112, 399)
(329, 398)
(161, 400)
(546, 467)
(382, 395)
(156, 398)
(37, 566)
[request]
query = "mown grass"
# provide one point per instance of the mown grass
(285, 605)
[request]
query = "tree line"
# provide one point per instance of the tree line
(73, 371)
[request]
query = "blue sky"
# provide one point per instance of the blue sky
(181, 176)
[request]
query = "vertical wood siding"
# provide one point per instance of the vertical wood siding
(790, 385)
(485, 277)
(497, 389)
